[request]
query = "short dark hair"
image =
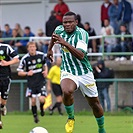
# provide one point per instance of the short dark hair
(27, 27)
(70, 14)
(87, 23)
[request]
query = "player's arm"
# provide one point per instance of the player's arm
(21, 67)
(75, 51)
(8, 63)
(50, 46)
(45, 71)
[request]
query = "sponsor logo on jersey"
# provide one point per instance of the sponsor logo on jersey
(1, 52)
(39, 60)
(34, 61)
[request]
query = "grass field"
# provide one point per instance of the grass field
(23, 123)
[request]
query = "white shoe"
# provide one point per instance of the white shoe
(4, 111)
(117, 59)
(123, 58)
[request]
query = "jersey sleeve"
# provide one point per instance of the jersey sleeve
(59, 29)
(11, 52)
(21, 65)
(82, 43)
(44, 60)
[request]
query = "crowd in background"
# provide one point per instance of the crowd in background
(115, 20)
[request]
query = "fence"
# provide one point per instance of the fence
(115, 80)
(102, 54)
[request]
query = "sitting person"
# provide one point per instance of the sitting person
(109, 43)
(42, 45)
(22, 44)
(92, 42)
(14, 41)
(124, 44)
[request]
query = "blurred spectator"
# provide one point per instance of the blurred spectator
(1, 33)
(109, 43)
(14, 41)
(106, 24)
(22, 44)
(113, 15)
(125, 12)
(51, 24)
(19, 29)
(60, 9)
(124, 44)
(104, 11)
(102, 72)
(79, 21)
(42, 44)
(7, 33)
(92, 46)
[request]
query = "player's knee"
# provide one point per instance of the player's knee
(67, 92)
(96, 106)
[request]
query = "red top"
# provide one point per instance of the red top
(104, 11)
(60, 10)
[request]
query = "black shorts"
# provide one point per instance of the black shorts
(36, 91)
(56, 89)
(5, 87)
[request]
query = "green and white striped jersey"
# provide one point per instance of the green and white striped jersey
(79, 40)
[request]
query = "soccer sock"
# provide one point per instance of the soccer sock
(34, 110)
(55, 105)
(41, 106)
(2, 106)
(70, 111)
(100, 122)
(59, 107)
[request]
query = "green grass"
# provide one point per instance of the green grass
(23, 123)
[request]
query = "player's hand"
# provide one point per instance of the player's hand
(4, 63)
(58, 40)
(50, 55)
(30, 73)
(44, 73)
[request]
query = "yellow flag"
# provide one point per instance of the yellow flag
(48, 101)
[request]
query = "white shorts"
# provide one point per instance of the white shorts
(86, 83)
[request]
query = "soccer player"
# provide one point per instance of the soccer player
(33, 65)
(76, 71)
(7, 57)
(54, 81)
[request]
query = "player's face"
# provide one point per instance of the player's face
(32, 49)
(69, 23)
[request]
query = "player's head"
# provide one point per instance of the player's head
(31, 47)
(70, 22)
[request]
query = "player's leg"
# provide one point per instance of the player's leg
(34, 109)
(58, 94)
(89, 90)
(68, 87)
(42, 91)
(5, 87)
(97, 111)
(42, 102)
(0, 113)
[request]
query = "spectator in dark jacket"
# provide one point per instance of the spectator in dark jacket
(124, 44)
(113, 15)
(102, 72)
(51, 24)
(125, 12)
(7, 33)
(23, 43)
(79, 21)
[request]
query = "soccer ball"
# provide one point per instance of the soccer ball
(38, 130)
